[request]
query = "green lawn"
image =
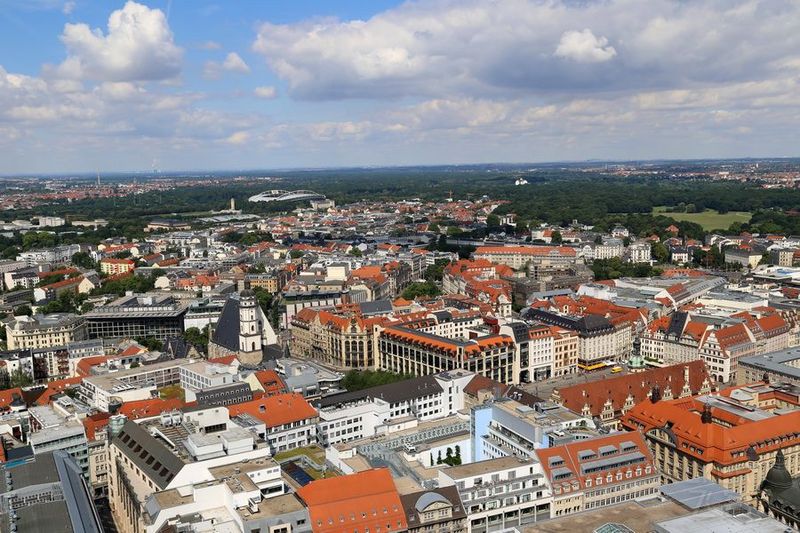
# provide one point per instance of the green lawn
(709, 219)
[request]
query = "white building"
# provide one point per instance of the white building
(389, 408)
(498, 494)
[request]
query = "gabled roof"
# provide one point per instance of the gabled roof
(362, 501)
(637, 385)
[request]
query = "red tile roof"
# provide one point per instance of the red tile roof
(148, 408)
(360, 502)
(57, 387)
(276, 410)
(271, 381)
(638, 385)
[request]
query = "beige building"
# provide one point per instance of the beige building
(407, 351)
(731, 438)
(343, 342)
(587, 475)
(42, 331)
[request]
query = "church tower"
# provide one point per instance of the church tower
(249, 327)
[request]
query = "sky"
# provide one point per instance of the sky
(103, 85)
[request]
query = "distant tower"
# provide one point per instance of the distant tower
(98, 180)
(249, 328)
(233, 204)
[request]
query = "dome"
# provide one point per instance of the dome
(248, 293)
(778, 478)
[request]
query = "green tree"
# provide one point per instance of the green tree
(433, 227)
(493, 221)
(659, 252)
(355, 252)
(23, 310)
(424, 288)
(356, 380)
(295, 254)
(20, 378)
(83, 260)
(556, 238)
(195, 337)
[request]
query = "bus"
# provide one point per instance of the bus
(591, 367)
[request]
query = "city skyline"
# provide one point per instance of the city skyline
(173, 85)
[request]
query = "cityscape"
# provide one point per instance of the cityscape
(259, 273)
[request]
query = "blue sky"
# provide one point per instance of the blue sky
(91, 85)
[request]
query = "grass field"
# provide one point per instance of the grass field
(709, 219)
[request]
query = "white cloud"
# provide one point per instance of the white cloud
(584, 47)
(68, 7)
(233, 62)
(527, 47)
(138, 46)
(266, 92)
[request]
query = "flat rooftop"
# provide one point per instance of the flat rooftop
(287, 503)
(485, 467)
(635, 516)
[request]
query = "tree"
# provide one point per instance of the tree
(425, 288)
(151, 343)
(20, 378)
(433, 227)
(493, 221)
(195, 337)
(659, 252)
(295, 254)
(83, 260)
(356, 380)
(556, 238)
(355, 252)
(23, 310)
(439, 459)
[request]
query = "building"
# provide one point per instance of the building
(593, 474)
(47, 494)
(181, 452)
(505, 427)
(782, 257)
(607, 400)
(778, 367)
(341, 341)
(104, 389)
(541, 351)
(113, 266)
(285, 421)
(137, 316)
(744, 256)
(437, 510)
(55, 255)
(780, 493)
(42, 331)
(242, 330)
(639, 253)
(52, 430)
(731, 438)
(502, 493)
(364, 502)
(532, 257)
(407, 351)
(387, 408)
(599, 339)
